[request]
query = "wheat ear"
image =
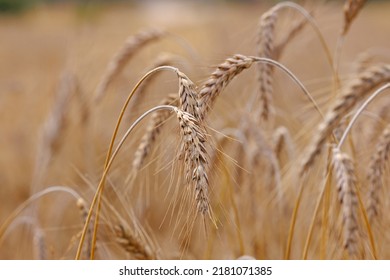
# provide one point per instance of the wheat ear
(188, 95)
(194, 142)
(39, 241)
(110, 148)
(265, 45)
(342, 140)
(375, 173)
(219, 79)
(354, 92)
(282, 141)
(346, 188)
(132, 244)
(263, 151)
(153, 129)
(351, 10)
(188, 102)
(265, 48)
(229, 69)
(121, 58)
(183, 82)
(53, 129)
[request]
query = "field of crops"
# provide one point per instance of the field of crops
(176, 130)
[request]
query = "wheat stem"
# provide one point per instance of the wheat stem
(32, 199)
(360, 110)
(111, 145)
(104, 175)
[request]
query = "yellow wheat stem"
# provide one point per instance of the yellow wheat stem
(107, 167)
(111, 145)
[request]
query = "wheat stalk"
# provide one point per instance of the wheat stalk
(354, 92)
(84, 213)
(162, 60)
(28, 203)
(182, 82)
(194, 140)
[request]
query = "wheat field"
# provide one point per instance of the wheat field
(176, 130)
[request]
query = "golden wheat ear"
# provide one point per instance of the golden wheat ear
(266, 49)
(132, 45)
(132, 244)
(358, 88)
(282, 143)
(227, 71)
(186, 99)
(351, 10)
(195, 158)
(265, 45)
(153, 129)
(218, 80)
(375, 173)
(346, 187)
(53, 130)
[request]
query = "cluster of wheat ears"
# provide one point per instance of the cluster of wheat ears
(239, 188)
